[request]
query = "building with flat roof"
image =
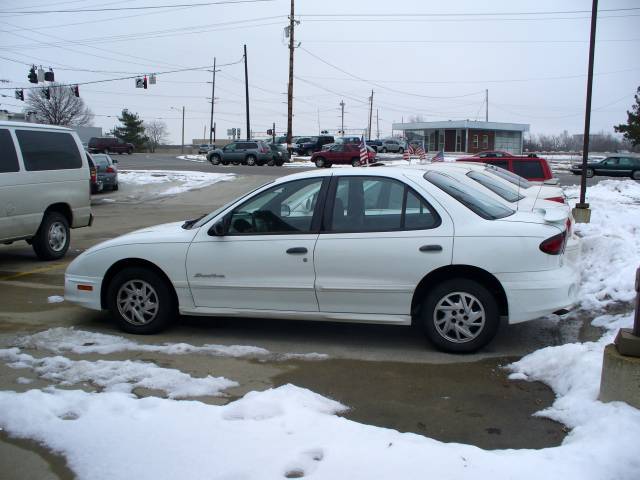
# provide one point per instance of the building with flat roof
(465, 136)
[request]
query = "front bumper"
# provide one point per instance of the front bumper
(532, 295)
(76, 291)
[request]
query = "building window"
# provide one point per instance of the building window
(458, 141)
(441, 142)
(475, 142)
(485, 142)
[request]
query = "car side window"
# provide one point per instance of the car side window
(337, 148)
(230, 148)
(376, 204)
(501, 163)
(286, 208)
(611, 161)
(8, 156)
(528, 169)
(43, 150)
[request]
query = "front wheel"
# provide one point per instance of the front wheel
(129, 152)
(589, 172)
(384, 150)
(401, 150)
(251, 160)
(635, 175)
(115, 187)
(214, 159)
(140, 301)
(355, 162)
(460, 316)
(320, 162)
(53, 237)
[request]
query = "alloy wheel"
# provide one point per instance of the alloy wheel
(459, 317)
(57, 236)
(137, 302)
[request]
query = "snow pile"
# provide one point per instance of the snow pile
(81, 342)
(186, 180)
(193, 158)
(55, 299)
(610, 243)
(120, 376)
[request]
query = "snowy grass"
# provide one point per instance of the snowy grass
(288, 432)
(184, 180)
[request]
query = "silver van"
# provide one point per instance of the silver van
(44, 186)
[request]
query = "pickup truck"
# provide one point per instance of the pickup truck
(531, 167)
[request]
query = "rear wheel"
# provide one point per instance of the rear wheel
(401, 150)
(115, 187)
(355, 162)
(130, 151)
(107, 151)
(320, 162)
(271, 162)
(460, 316)
(384, 150)
(140, 301)
(251, 160)
(53, 237)
(214, 159)
(635, 175)
(589, 172)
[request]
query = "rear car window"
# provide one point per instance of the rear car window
(8, 157)
(509, 177)
(528, 168)
(473, 199)
(507, 191)
(48, 150)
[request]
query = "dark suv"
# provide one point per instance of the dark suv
(315, 144)
(109, 145)
(251, 152)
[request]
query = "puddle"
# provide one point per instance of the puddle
(470, 403)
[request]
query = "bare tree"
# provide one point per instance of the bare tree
(61, 108)
(156, 130)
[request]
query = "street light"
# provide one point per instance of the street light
(182, 146)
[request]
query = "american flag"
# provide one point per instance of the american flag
(364, 153)
(420, 152)
(438, 157)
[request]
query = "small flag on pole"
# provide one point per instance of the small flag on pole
(438, 157)
(420, 153)
(364, 153)
(406, 154)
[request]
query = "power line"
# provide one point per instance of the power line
(474, 41)
(151, 7)
(458, 14)
(460, 20)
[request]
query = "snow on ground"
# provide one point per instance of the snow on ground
(290, 432)
(55, 299)
(193, 158)
(183, 180)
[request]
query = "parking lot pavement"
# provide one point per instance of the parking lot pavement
(388, 375)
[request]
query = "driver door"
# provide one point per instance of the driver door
(264, 261)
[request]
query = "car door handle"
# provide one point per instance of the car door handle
(431, 248)
(295, 250)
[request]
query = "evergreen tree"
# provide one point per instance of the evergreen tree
(631, 129)
(132, 130)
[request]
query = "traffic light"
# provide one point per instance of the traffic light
(75, 90)
(47, 93)
(269, 132)
(33, 76)
(144, 82)
(20, 95)
(48, 76)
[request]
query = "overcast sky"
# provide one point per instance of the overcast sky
(434, 66)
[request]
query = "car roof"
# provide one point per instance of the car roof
(40, 126)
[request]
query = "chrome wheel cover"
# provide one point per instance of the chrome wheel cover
(137, 302)
(57, 236)
(459, 317)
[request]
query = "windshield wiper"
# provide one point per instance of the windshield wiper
(189, 223)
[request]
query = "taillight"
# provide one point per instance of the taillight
(110, 170)
(556, 199)
(568, 225)
(554, 245)
(264, 150)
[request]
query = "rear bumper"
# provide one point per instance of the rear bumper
(532, 295)
(86, 298)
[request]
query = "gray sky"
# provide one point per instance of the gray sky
(533, 65)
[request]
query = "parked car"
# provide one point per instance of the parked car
(43, 186)
(280, 140)
(252, 152)
(280, 154)
(107, 170)
(341, 154)
(391, 145)
(204, 148)
(375, 144)
(95, 185)
(532, 168)
(460, 260)
(109, 145)
(313, 145)
(613, 166)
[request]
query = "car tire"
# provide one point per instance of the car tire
(53, 237)
(214, 159)
(635, 175)
(107, 151)
(126, 295)
(478, 300)
(328, 165)
(129, 152)
(589, 173)
(271, 162)
(401, 150)
(224, 162)
(355, 162)
(250, 160)
(115, 188)
(384, 150)
(320, 162)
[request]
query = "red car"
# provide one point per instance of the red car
(341, 154)
(531, 167)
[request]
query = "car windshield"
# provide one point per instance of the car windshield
(510, 177)
(507, 191)
(313, 140)
(473, 199)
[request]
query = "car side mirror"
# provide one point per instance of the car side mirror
(218, 229)
(285, 210)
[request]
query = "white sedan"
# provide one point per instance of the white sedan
(373, 245)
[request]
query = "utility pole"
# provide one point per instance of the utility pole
(581, 213)
(273, 133)
(342, 116)
(486, 99)
(377, 124)
(370, 113)
(213, 99)
(246, 92)
(214, 132)
(292, 24)
(182, 147)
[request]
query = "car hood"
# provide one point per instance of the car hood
(165, 233)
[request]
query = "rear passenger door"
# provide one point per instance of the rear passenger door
(380, 239)
(10, 223)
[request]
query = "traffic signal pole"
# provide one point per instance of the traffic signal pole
(290, 86)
